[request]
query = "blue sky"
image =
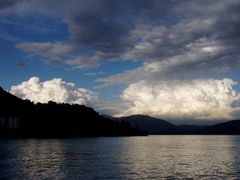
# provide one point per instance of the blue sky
(126, 53)
(18, 66)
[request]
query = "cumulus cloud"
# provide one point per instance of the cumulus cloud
(200, 99)
(55, 90)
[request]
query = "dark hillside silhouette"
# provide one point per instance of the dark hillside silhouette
(230, 127)
(22, 118)
(159, 126)
(150, 124)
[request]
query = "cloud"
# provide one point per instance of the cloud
(55, 90)
(101, 25)
(197, 42)
(199, 99)
(200, 57)
(175, 67)
(156, 31)
(94, 73)
(96, 26)
(8, 3)
(58, 53)
(177, 41)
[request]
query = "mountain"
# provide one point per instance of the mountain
(22, 118)
(230, 127)
(150, 124)
(156, 126)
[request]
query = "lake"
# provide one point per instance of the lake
(151, 157)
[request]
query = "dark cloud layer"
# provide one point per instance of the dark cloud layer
(106, 26)
(183, 34)
(7, 3)
(103, 27)
(206, 37)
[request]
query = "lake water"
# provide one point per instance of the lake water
(152, 157)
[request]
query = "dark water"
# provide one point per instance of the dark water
(153, 157)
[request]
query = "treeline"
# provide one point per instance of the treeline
(22, 118)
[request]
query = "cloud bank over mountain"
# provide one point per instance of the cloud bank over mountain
(186, 53)
(55, 90)
(202, 99)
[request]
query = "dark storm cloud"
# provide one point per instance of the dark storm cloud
(206, 38)
(190, 33)
(8, 3)
(97, 33)
(103, 27)
(219, 24)
(106, 26)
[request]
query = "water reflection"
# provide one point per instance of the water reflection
(184, 157)
(41, 158)
(28, 159)
(153, 157)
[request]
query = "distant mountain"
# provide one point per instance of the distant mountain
(150, 124)
(230, 127)
(22, 118)
(158, 126)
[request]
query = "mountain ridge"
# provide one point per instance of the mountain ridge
(228, 127)
(17, 115)
(150, 124)
(24, 119)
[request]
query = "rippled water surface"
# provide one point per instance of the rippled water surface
(152, 157)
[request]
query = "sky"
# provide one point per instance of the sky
(175, 60)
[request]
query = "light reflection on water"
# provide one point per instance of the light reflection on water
(152, 157)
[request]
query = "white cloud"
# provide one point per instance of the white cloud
(202, 99)
(55, 90)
